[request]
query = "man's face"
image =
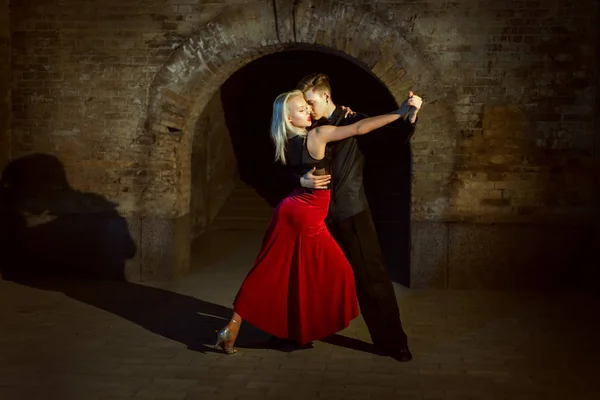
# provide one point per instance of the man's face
(317, 102)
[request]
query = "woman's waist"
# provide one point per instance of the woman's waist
(313, 192)
(306, 205)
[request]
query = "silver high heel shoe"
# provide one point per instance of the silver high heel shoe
(224, 336)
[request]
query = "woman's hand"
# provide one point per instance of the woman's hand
(412, 104)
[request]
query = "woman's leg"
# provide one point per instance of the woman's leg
(235, 323)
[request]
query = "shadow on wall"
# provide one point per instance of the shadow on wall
(50, 230)
(55, 238)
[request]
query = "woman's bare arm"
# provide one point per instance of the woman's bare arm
(320, 136)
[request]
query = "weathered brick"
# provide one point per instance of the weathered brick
(510, 101)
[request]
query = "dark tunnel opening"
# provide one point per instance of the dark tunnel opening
(247, 99)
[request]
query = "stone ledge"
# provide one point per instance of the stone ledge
(499, 256)
(95, 246)
(164, 248)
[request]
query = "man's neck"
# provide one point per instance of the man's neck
(330, 110)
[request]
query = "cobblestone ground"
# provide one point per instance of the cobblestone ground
(102, 340)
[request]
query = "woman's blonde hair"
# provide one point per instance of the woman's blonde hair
(281, 128)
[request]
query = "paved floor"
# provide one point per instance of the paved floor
(90, 341)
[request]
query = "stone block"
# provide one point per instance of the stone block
(165, 247)
(429, 255)
(516, 256)
(133, 265)
(500, 256)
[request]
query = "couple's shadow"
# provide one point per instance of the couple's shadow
(178, 317)
(83, 254)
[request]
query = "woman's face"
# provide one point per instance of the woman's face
(298, 112)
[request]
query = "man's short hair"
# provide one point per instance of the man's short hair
(318, 82)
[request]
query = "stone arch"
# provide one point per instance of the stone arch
(204, 61)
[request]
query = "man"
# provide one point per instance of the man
(350, 220)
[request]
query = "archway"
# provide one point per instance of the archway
(246, 99)
(190, 79)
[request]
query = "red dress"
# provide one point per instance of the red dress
(301, 286)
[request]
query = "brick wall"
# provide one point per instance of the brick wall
(506, 134)
(522, 71)
(5, 79)
(82, 71)
(519, 151)
(214, 167)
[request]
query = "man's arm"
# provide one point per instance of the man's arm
(407, 129)
(308, 180)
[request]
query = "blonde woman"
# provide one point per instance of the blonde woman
(301, 286)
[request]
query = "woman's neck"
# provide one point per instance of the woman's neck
(296, 132)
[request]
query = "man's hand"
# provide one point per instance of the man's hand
(348, 111)
(310, 181)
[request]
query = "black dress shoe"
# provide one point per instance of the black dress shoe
(402, 355)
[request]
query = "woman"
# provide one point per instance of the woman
(301, 286)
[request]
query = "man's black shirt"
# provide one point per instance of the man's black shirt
(348, 195)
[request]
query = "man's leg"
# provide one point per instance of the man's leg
(358, 238)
